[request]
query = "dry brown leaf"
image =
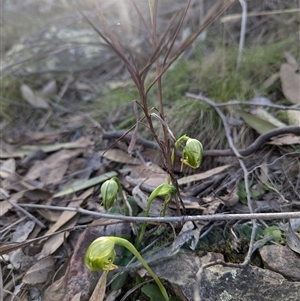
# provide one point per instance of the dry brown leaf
(62, 155)
(77, 277)
(68, 215)
(7, 168)
(38, 194)
(117, 155)
(12, 152)
(22, 231)
(99, 291)
(5, 205)
(7, 247)
(55, 241)
(271, 80)
(49, 215)
(53, 168)
(16, 183)
(3, 194)
(37, 101)
(104, 222)
(265, 115)
(294, 117)
(56, 174)
(41, 272)
(288, 139)
(76, 297)
(290, 59)
(292, 239)
(150, 174)
(36, 170)
(147, 171)
(203, 175)
(263, 176)
(50, 89)
(188, 204)
(290, 82)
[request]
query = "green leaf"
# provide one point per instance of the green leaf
(85, 184)
(255, 193)
(260, 125)
(134, 206)
(153, 292)
(119, 281)
(273, 231)
(114, 210)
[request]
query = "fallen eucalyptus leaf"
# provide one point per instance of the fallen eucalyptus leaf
(86, 184)
(260, 125)
(41, 272)
(292, 239)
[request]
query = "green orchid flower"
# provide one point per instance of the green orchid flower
(100, 255)
(192, 153)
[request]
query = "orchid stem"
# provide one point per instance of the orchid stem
(125, 243)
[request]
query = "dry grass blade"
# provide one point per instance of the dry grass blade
(211, 16)
(141, 17)
(177, 32)
(135, 132)
(159, 46)
(114, 45)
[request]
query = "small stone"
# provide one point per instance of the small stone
(281, 259)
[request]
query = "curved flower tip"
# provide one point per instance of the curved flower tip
(163, 189)
(192, 153)
(109, 191)
(100, 255)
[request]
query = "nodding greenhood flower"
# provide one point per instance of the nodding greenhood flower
(109, 191)
(101, 255)
(163, 189)
(192, 153)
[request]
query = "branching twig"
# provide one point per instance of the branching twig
(245, 171)
(29, 215)
(173, 219)
(250, 150)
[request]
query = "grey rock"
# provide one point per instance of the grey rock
(282, 260)
(224, 283)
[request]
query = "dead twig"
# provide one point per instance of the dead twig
(256, 145)
(246, 175)
(173, 219)
(29, 215)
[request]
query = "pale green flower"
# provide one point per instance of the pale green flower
(192, 153)
(100, 255)
(109, 191)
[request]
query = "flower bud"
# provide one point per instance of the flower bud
(109, 191)
(192, 153)
(100, 255)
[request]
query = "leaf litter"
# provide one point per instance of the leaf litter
(69, 174)
(38, 185)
